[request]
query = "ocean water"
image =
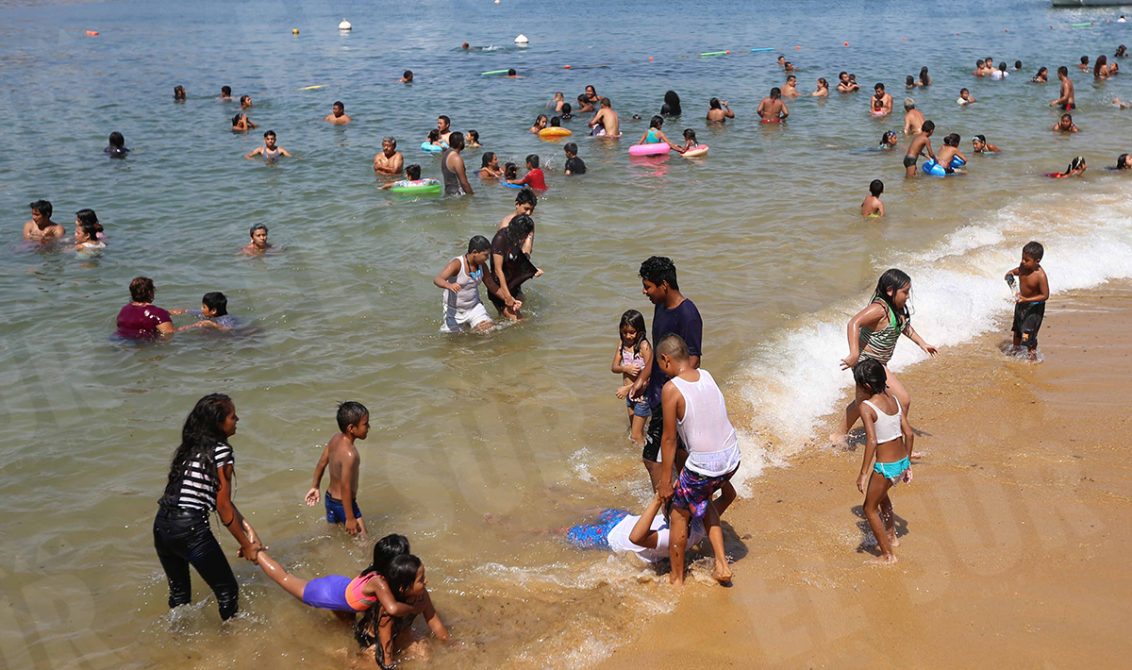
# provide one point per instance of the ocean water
(482, 448)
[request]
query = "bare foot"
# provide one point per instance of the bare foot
(883, 559)
(722, 573)
(893, 541)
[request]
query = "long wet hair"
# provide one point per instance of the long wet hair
(891, 281)
(384, 551)
(401, 572)
(636, 321)
(925, 79)
(519, 228)
(199, 437)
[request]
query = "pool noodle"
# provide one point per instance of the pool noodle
(715, 53)
(313, 88)
(759, 49)
(1080, 25)
(491, 72)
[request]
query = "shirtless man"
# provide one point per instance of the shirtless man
(388, 161)
(1065, 101)
(607, 118)
(845, 85)
(913, 118)
(258, 244)
(772, 109)
(444, 125)
(921, 142)
(790, 88)
(881, 104)
(41, 228)
(338, 114)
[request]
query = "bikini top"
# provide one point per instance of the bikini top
(887, 426)
(880, 344)
(355, 593)
(630, 357)
(652, 138)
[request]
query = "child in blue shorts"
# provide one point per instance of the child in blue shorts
(342, 457)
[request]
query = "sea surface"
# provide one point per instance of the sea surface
(482, 448)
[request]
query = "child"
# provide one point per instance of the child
(982, 146)
(342, 457)
(241, 123)
(87, 232)
(405, 575)
(510, 172)
(693, 407)
(41, 228)
(258, 246)
(116, 146)
(949, 156)
(213, 314)
(872, 206)
(434, 139)
(489, 168)
(1076, 168)
(1065, 124)
(574, 165)
(965, 97)
(179, 94)
(534, 177)
(567, 112)
(269, 151)
(921, 142)
(473, 140)
(633, 355)
(888, 140)
(539, 124)
(460, 279)
(556, 103)
(689, 141)
(226, 93)
(888, 439)
(1030, 300)
(654, 135)
(413, 172)
(646, 536)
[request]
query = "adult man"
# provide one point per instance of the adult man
(41, 228)
(388, 161)
(337, 115)
(607, 119)
(772, 109)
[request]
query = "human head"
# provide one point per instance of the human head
(41, 207)
(989, 62)
(519, 228)
(226, 91)
(658, 277)
(924, 78)
(909, 81)
(407, 76)
(1066, 120)
(353, 414)
(570, 149)
(87, 217)
(434, 135)
(714, 104)
(656, 122)
(1102, 61)
(876, 187)
(540, 121)
(672, 100)
(1084, 60)
(1033, 250)
(1002, 66)
(775, 93)
(479, 244)
(635, 320)
(567, 110)
(689, 134)
(1120, 51)
(1017, 65)
(892, 287)
(952, 140)
(389, 144)
(822, 83)
(456, 141)
(142, 290)
(487, 159)
(178, 92)
(1043, 72)
(1123, 162)
(532, 161)
(1063, 71)
(889, 138)
(607, 103)
(591, 92)
(909, 104)
(510, 171)
(413, 172)
(117, 140)
(443, 123)
(404, 574)
(269, 137)
(843, 76)
(216, 302)
(385, 550)
(869, 375)
(878, 88)
(781, 59)
(1077, 165)
(245, 101)
(338, 108)
(258, 233)
(555, 121)
(526, 199)
(236, 118)
(671, 350)
(928, 127)
(475, 135)
(979, 141)
(963, 93)
(792, 80)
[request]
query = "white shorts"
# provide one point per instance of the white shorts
(456, 320)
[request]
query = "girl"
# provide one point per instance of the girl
(822, 91)
(654, 135)
(539, 124)
(489, 168)
(925, 79)
(1042, 76)
(982, 146)
(1076, 168)
(632, 356)
(179, 94)
(671, 106)
(1065, 124)
(584, 106)
(557, 103)
(888, 140)
(200, 481)
(116, 147)
(473, 140)
(407, 582)
(689, 141)
(873, 333)
(88, 232)
(910, 82)
(1100, 68)
(460, 279)
(510, 171)
(434, 139)
(888, 438)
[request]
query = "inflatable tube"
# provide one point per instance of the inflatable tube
(934, 169)
(699, 150)
(957, 162)
(429, 147)
(656, 149)
(510, 185)
(554, 131)
(419, 187)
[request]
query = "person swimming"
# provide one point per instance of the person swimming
(888, 140)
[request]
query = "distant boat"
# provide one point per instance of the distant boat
(1091, 3)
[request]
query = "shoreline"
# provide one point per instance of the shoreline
(1017, 515)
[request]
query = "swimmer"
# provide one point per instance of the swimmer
(407, 77)
(225, 93)
(567, 111)
(574, 164)
(434, 139)
(781, 60)
(534, 177)
(1121, 104)
(1123, 162)
(606, 118)
(888, 140)
(719, 111)
(949, 152)
(671, 106)
(539, 124)
(1000, 73)
(646, 536)
(1076, 168)
(689, 141)
(1121, 51)
(341, 455)
(489, 167)
(213, 314)
(388, 161)
(510, 172)
(584, 105)
(787, 67)
(1101, 69)
(337, 115)
(980, 145)
(179, 94)
(116, 146)
(592, 97)
(258, 244)
(1065, 101)
(472, 139)
(980, 68)
(557, 101)
(910, 82)
(1084, 64)
(41, 228)
(512, 73)
(965, 98)
(913, 118)
(771, 109)
(1065, 124)
(822, 89)
(872, 206)
(1042, 76)
(443, 128)
(413, 178)
(845, 84)
(881, 103)
(925, 78)
(1017, 66)
(790, 88)
(654, 135)
(245, 101)
(241, 123)
(921, 143)
(87, 232)
(269, 151)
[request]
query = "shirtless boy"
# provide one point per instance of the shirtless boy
(1030, 302)
(41, 228)
(388, 161)
(607, 119)
(342, 457)
(772, 109)
(872, 205)
(337, 115)
(258, 245)
(1065, 100)
(921, 142)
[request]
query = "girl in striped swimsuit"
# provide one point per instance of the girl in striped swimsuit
(873, 333)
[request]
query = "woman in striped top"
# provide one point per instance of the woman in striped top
(200, 481)
(873, 333)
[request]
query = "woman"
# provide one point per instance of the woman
(1042, 76)
(719, 111)
(200, 481)
(1100, 67)
(511, 266)
(141, 319)
(452, 167)
(822, 91)
(671, 106)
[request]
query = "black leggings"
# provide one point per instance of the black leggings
(182, 536)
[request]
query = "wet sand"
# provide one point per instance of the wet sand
(1015, 532)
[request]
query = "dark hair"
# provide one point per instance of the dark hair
(1084, 60)
(141, 289)
(178, 92)
(659, 270)
(413, 171)
(200, 435)
(925, 79)
(540, 117)
(570, 148)
(1042, 70)
(714, 104)
(217, 302)
(892, 280)
(526, 196)
(434, 135)
(42, 206)
(258, 226)
(478, 243)
(689, 134)
(269, 133)
(1102, 61)
(226, 91)
(519, 227)
(350, 413)
(775, 93)
(878, 86)
(981, 138)
(870, 375)
(447, 121)
(671, 105)
(606, 102)
(532, 160)
(841, 74)
(928, 126)
(87, 217)
(475, 135)
(672, 345)
(1076, 163)
(1017, 65)
(952, 140)
(486, 159)
(236, 118)
(636, 321)
(1063, 71)
(117, 140)
(909, 81)
(1034, 250)
(555, 121)
(1121, 162)
(887, 134)
(567, 111)
(511, 72)
(510, 171)
(876, 187)
(338, 103)
(385, 550)
(245, 97)
(401, 572)
(408, 74)
(456, 141)
(656, 122)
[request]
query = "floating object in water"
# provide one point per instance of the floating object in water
(313, 87)
(655, 149)
(1084, 24)
(650, 59)
(715, 53)
(418, 187)
(492, 73)
(431, 148)
(797, 47)
(845, 44)
(521, 40)
(92, 33)
(554, 132)
(696, 151)
(761, 49)
(295, 32)
(345, 25)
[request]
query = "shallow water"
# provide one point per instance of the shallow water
(482, 446)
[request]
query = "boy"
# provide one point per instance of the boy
(337, 115)
(258, 246)
(342, 457)
(921, 142)
(574, 165)
(950, 152)
(694, 408)
(412, 174)
(213, 313)
(872, 206)
(965, 98)
(1065, 101)
(771, 109)
(41, 228)
(1033, 291)
(534, 177)
(269, 151)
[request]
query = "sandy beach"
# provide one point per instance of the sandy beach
(1014, 533)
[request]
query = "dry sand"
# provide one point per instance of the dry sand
(1015, 531)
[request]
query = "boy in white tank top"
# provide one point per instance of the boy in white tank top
(693, 406)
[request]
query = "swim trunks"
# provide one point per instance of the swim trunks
(1027, 321)
(335, 512)
(910, 161)
(693, 491)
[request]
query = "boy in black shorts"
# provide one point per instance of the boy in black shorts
(1030, 301)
